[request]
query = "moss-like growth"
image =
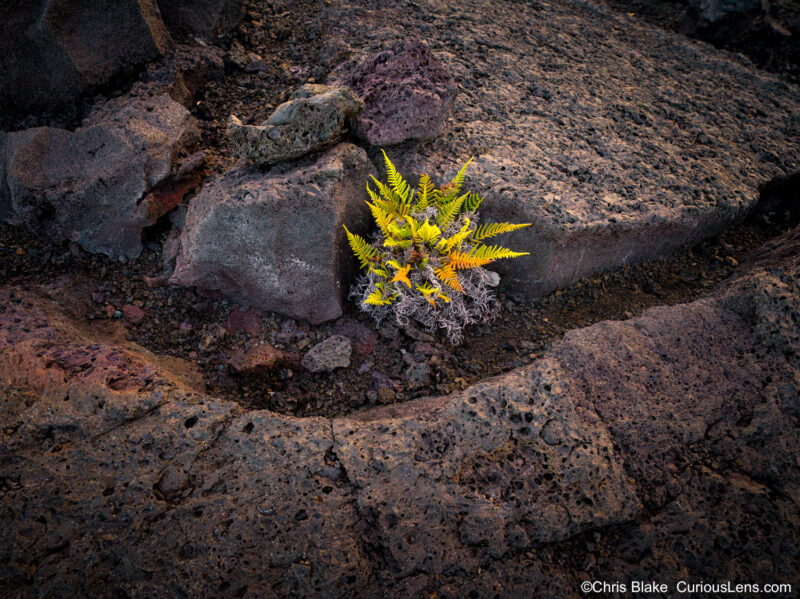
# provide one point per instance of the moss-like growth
(426, 261)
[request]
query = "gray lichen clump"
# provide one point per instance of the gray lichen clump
(314, 118)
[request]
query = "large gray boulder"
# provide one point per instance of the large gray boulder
(51, 51)
(275, 240)
(406, 91)
(90, 185)
(315, 117)
(620, 145)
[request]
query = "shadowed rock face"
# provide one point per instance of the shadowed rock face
(407, 93)
(208, 17)
(90, 185)
(117, 478)
(275, 240)
(619, 142)
(51, 51)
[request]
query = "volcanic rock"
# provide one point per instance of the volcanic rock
(619, 147)
(275, 240)
(314, 118)
(258, 359)
(52, 51)
(328, 355)
(207, 18)
(406, 91)
(90, 185)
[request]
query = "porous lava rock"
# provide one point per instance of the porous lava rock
(276, 240)
(406, 91)
(314, 118)
(620, 142)
(52, 51)
(90, 185)
(528, 482)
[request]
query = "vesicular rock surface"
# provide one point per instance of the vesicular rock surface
(314, 118)
(407, 94)
(117, 478)
(618, 141)
(90, 185)
(275, 240)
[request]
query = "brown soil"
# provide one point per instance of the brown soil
(184, 324)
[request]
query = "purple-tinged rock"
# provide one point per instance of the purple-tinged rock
(407, 94)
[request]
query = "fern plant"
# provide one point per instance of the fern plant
(426, 260)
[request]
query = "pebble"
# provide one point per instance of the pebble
(328, 355)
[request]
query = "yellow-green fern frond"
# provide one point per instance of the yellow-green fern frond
(363, 251)
(396, 181)
(381, 217)
(458, 180)
(376, 298)
(425, 196)
(464, 260)
(427, 232)
(491, 229)
(445, 245)
(472, 202)
(381, 272)
(495, 252)
(449, 211)
(391, 200)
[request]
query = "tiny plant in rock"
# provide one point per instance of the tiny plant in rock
(426, 261)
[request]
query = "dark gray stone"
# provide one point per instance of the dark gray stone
(275, 240)
(90, 185)
(207, 18)
(51, 51)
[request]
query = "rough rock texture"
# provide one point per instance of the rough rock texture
(116, 479)
(51, 51)
(328, 355)
(275, 240)
(208, 18)
(90, 185)
(618, 141)
(259, 359)
(407, 93)
(314, 118)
